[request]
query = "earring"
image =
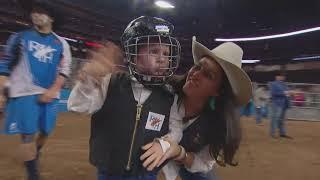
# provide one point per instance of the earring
(212, 103)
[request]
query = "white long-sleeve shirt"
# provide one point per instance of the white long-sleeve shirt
(86, 97)
(202, 162)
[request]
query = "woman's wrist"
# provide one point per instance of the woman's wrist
(182, 155)
(188, 161)
(185, 158)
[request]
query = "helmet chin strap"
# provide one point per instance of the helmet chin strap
(147, 80)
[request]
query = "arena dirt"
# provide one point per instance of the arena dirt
(261, 158)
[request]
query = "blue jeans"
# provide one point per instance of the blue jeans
(102, 175)
(258, 114)
(264, 111)
(261, 112)
(277, 119)
(186, 175)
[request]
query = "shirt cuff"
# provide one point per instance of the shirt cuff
(199, 166)
(165, 145)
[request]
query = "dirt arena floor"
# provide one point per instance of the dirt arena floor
(261, 158)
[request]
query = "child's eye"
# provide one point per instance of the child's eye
(153, 51)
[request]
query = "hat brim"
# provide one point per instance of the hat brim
(238, 79)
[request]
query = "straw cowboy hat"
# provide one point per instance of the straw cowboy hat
(228, 55)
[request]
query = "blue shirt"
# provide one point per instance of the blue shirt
(33, 61)
(278, 95)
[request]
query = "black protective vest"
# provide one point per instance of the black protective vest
(112, 127)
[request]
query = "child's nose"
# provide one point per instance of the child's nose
(162, 59)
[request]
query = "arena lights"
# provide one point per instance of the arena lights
(250, 61)
(306, 58)
(271, 36)
(164, 4)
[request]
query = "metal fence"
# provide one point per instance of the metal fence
(305, 101)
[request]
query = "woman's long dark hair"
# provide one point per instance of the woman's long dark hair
(224, 135)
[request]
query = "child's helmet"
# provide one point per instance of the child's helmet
(145, 31)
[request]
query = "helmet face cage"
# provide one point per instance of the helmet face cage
(160, 74)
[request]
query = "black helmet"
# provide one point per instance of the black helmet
(148, 31)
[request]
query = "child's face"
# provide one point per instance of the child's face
(153, 60)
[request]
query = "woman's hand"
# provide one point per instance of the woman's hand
(177, 153)
(171, 153)
(154, 155)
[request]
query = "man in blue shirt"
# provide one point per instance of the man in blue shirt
(34, 67)
(279, 104)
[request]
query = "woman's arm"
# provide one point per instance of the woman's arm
(175, 123)
(193, 162)
(199, 162)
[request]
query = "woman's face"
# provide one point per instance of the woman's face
(204, 79)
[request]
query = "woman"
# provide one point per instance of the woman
(209, 100)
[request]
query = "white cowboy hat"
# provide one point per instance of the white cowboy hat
(229, 56)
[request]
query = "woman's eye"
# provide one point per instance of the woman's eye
(197, 67)
(210, 76)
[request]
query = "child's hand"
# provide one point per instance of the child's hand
(101, 62)
(94, 70)
(152, 155)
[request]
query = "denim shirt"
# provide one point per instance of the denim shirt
(278, 95)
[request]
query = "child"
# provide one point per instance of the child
(129, 110)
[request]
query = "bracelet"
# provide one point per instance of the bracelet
(176, 156)
(182, 155)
